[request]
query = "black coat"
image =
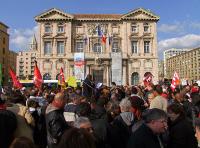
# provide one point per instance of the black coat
(143, 137)
(56, 125)
(88, 88)
(118, 133)
(8, 125)
(181, 134)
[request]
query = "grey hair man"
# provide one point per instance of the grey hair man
(148, 134)
(84, 123)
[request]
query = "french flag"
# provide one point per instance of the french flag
(100, 34)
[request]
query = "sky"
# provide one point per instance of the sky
(178, 27)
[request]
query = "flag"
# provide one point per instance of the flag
(61, 77)
(147, 79)
(175, 81)
(100, 34)
(103, 39)
(72, 81)
(37, 80)
(16, 83)
(99, 31)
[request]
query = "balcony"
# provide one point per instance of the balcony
(93, 55)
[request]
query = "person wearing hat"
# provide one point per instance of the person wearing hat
(8, 125)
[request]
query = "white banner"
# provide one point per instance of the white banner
(117, 67)
(79, 66)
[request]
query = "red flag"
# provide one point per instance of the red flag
(175, 81)
(16, 82)
(61, 77)
(103, 39)
(37, 80)
(147, 79)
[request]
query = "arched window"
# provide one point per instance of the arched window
(46, 76)
(134, 78)
(97, 48)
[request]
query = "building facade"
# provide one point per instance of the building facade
(161, 70)
(12, 60)
(170, 53)
(133, 36)
(187, 65)
(26, 61)
(5, 54)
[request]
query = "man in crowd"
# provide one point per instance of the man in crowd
(147, 135)
(55, 121)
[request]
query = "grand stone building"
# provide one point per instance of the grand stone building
(132, 35)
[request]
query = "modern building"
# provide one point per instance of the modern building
(131, 37)
(170, 53)
(26, 61)
(187, 65)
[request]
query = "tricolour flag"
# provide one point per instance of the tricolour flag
(61, 77)
(37, 80)
(175, 81)
(101, 34)
(16, 83)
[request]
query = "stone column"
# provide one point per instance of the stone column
(124, 74)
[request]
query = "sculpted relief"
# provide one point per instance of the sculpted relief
(93, 28)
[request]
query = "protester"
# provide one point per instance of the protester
(181, 133)
(158, 102)
(55, 121)
(22, 142)
(148, 134)
(8, 125)
(76, 138)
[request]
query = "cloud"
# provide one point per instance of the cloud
(171, 28)
(20, 38)
(195, 25)
(188, 41)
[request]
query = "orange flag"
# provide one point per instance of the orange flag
(37, 80)
(16, 82)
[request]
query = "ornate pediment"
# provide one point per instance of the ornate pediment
(140, 14)
(53, 14)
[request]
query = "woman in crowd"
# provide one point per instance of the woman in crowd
(181, 133)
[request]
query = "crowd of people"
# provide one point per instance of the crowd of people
(151, 116)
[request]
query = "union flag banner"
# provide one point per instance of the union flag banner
(175, 81)
(37, 80)
(16, 83)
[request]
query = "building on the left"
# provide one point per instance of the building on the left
(7, 57)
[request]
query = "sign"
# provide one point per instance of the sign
(117, 67)
(79, 66)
